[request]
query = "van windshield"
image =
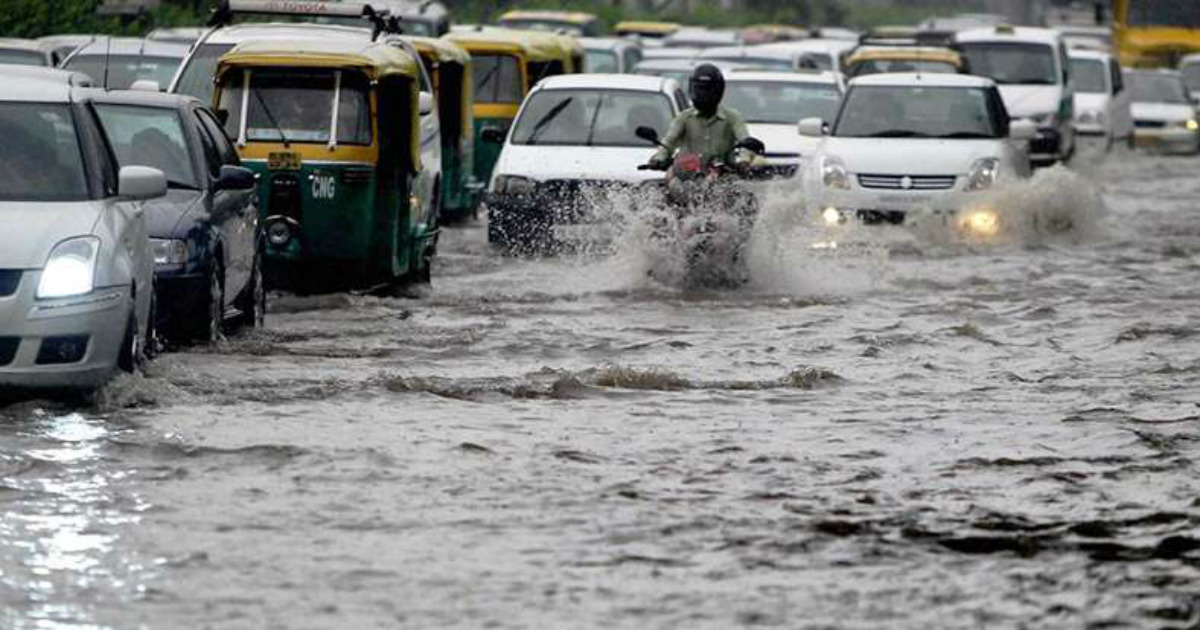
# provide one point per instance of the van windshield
(1012, 64)
(40, 159)
(297, 105)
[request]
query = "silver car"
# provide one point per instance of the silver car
(76, 268)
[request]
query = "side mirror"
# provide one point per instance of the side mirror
(812, 128)
(1022, 130)
(425, 103)
(235, 178)
(492, 135)
(647, 133)
(141, 183)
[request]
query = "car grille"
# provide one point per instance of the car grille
(571, 199)
(9, 280)
(1149, 124)
(8, 349)
(914, 182)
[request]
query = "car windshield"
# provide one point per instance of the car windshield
(1012, 64)
(1088, 76)
(19, 57)
(815, 62)
(497, 79)
(1145, 87)
(604, 118)
(40, 158)
(196, 79)
(782, 103)
(883, 66)
(123, 70)
(917, 112)
(682, 76)
(763, 63)
(600, 61)
(1174, 13)
(149, 136)
(1191, 76)
(297, 105)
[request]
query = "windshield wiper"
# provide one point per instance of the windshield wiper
(548, 118)
(487, 78)
(595, 118)
(897, 133)
(271, 117)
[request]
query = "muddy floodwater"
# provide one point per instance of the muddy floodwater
(907, 430)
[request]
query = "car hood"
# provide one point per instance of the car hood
(592, 163)
(1024, 101)
(1090, 102)
(34, 228)
(167, 216)
(904, 156)
(1162, 111)
(783, 139)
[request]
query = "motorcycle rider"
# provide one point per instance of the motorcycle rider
(705, 129)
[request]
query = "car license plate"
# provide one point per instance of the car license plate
(283, 161)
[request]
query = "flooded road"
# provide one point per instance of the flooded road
(906, 433)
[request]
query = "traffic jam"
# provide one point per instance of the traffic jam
(600, 323)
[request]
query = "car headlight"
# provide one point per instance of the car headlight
(832, 216)
(1045, 120)
(169, 251)
(834, 174)
(514, 185)
(983, 174)
(1190, 124)
(71, 269)
(1092, 117)
(980, 222)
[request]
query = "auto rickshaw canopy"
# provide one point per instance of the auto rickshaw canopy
(532, 45)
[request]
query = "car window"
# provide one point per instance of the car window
(220, 139)
(497, 79)
(40, 158)
(17, 57)
(1191, 76)
(1088, 76)
(591, 117)
(1012, 63)
(782, 103)
(883, 66)
(1151, 87)
(196, 78)
(917, 112)
(633, 57)
(601, 61)
(121, 71)
(149, 136)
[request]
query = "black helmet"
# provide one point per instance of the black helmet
(707, 88)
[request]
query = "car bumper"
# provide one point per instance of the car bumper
(1167, 140)
(41, 338)
(891, 207)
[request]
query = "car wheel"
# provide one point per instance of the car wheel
(253, 303)
(208, 327)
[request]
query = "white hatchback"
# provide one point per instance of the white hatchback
(1101, 100)
(914, 143)
(772, 102)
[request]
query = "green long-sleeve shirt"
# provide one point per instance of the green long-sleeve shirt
(710, 137)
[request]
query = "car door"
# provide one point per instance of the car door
(232, 211)
(1119, 104)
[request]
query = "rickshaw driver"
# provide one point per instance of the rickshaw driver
(706, 129)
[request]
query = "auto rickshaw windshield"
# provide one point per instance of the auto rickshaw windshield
(497, 79)
(298, 105)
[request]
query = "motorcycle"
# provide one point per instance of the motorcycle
(705, 215)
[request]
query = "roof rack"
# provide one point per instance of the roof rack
(381, 20)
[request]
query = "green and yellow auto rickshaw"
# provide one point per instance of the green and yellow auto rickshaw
(449, 69)
(332, 127)
(506, 64)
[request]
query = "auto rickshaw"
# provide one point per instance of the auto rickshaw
(575, 23)
(646, 30)
(450, 71)
(332, 128)
(506, 64)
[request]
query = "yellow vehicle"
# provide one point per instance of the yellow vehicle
(880, 59)
(332, 127)
(574, 23)
(646, 30)
(506, 65)
(450, 70)
(1155, 33)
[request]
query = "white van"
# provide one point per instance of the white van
(1101, 100)
(1030, 65)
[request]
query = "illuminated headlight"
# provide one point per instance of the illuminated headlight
(1190, 125)
(831, 216)
(983, 174)
(980, 222)
(71, 269)
(279, 233)
(514, 185)
(1092, 117)
(833, 173)
(169, 251)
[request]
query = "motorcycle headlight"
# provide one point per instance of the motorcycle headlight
(169, 251)
(71, 269)
(514, 185)
(834, 174)
(983, 174)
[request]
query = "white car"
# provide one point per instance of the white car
(76, 264)
(818, 55)
(1164, 115)
(1030, 65)
(1101, 100)
(905, 143)
(772, 103)
(572, 141)
(610, 55)
(761, 57)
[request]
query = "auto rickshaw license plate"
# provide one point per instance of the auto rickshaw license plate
(283, 161)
